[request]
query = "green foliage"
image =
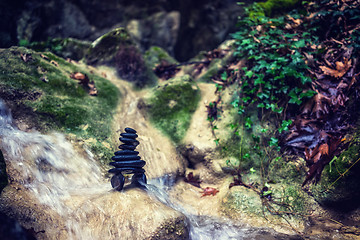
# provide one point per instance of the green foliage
(285, 125)
(276, 68)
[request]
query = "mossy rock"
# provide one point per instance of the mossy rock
(155, 55)
(175, 229)
(246, 205)
(67, 48)
(117, 49)
(271, 8)
(339, 185)
(38, 89)
(104, 49)
(172, 104)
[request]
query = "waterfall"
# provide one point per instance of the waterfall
(50, 168)
(74, 187)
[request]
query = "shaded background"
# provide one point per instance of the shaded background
(182, 27)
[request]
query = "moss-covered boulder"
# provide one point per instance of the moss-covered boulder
(117, 49)
(273, 7)
(171, 105)
(104, 49)
(155, 55)
(38, 89)
(67, 48)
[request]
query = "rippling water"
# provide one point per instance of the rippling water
(71, 185)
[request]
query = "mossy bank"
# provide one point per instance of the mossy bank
(171, 105)
(38, 89)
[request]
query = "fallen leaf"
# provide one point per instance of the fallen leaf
(44, 57)
(85, 82)
(26, 57)
(341, 69)
(54, 62)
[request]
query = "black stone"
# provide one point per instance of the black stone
(129, 135)
(125, 157)
(129, 141)
(127, 161)
(127, 147)
(130, 130)
(126, 152)
(133, 163)
(128, 170)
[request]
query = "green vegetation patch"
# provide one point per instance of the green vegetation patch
(39, 84)
(155, 55)
(172, 105)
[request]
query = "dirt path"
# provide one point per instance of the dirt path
(157, 150)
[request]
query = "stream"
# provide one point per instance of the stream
(73, 187)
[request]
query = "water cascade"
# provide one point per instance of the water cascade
(71, 188)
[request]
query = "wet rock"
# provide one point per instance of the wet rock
(173, 230)
(3, 175)
(160, 29)
(10, 229)
(192, 154)
(137, 216)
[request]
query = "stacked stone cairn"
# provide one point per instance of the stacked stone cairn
(127, 161)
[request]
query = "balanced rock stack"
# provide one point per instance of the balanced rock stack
(127, 161)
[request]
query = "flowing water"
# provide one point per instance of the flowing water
(73, 186)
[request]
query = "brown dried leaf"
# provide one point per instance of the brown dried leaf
(54, 62)
(296, 22)
(92, 91)
(26, 57)
(321, 105)
(85, 82)
(341, 69)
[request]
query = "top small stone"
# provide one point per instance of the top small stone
(130, 130)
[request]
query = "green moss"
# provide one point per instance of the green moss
(295, 197)
(273, 7)
(155, 55)
(103, 49)
(172, 106)
(242, 200)
(59, 103)
(68, 47)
